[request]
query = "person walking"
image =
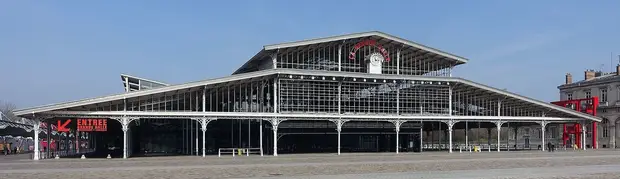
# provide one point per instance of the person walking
(2, 148)
(8, 148)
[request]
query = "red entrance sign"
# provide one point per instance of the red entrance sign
(92, 125)
(62, 127)
(373, 43)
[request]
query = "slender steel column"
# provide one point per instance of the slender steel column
(339, 96)
(275, 140)
(36, 129)
(275, 123)
(583, 136)
(260, 131)
(125, 121)
(340, 58)
(339, 129)
(499, 124)
(421, 138)
(196, 135)
(125, 127)
(450, 124)
(499, 129)
(204, 135)
(249, 134)
(450, 138)
(466, 134)
(594, 135)
(397, 124)
(543, 128)
(203, 124)
(339, 124)
(398, 62)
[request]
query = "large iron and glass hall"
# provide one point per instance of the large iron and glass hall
(362, 92)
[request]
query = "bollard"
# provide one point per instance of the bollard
(109, 156)
(83, 157)
(57, 157)
(460, 149)
(489, 148)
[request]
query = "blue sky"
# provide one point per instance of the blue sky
(54, 52)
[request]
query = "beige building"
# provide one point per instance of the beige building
(607, 87)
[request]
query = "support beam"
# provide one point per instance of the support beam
(450, 124)
(543, 128)
(36, 128)
(127, 84)
(204, 99)
(450, 101)
(398, 62)
(583, 135)
(275, 96)
(203, 126)
(249, 134)
(499, 129)
(397, 124)
(421, 138)
(611, 126)
(125, 127)
(499, 124)
(340, 58)
(260, 133)
(516, 136)
(274, 60)
(339, 123)
(125, 122)
(466, 134)
(594, 135)
(398, 100)
(274, 126)
(339, 97)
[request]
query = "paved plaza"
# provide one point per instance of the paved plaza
(528, 164)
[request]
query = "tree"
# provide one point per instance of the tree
(7, 108)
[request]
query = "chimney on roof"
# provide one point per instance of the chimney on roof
(569, 78)
(589, 74)
(598, 73)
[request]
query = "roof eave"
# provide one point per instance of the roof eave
(57, 106)
(530, 100)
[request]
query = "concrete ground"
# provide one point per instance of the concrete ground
(530, 164)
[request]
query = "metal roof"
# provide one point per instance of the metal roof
(24, 112)
(132, 94)
(267, 49)
(366, 34)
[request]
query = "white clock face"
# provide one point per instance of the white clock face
(376, 59)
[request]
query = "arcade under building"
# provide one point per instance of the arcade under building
(362, 92)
